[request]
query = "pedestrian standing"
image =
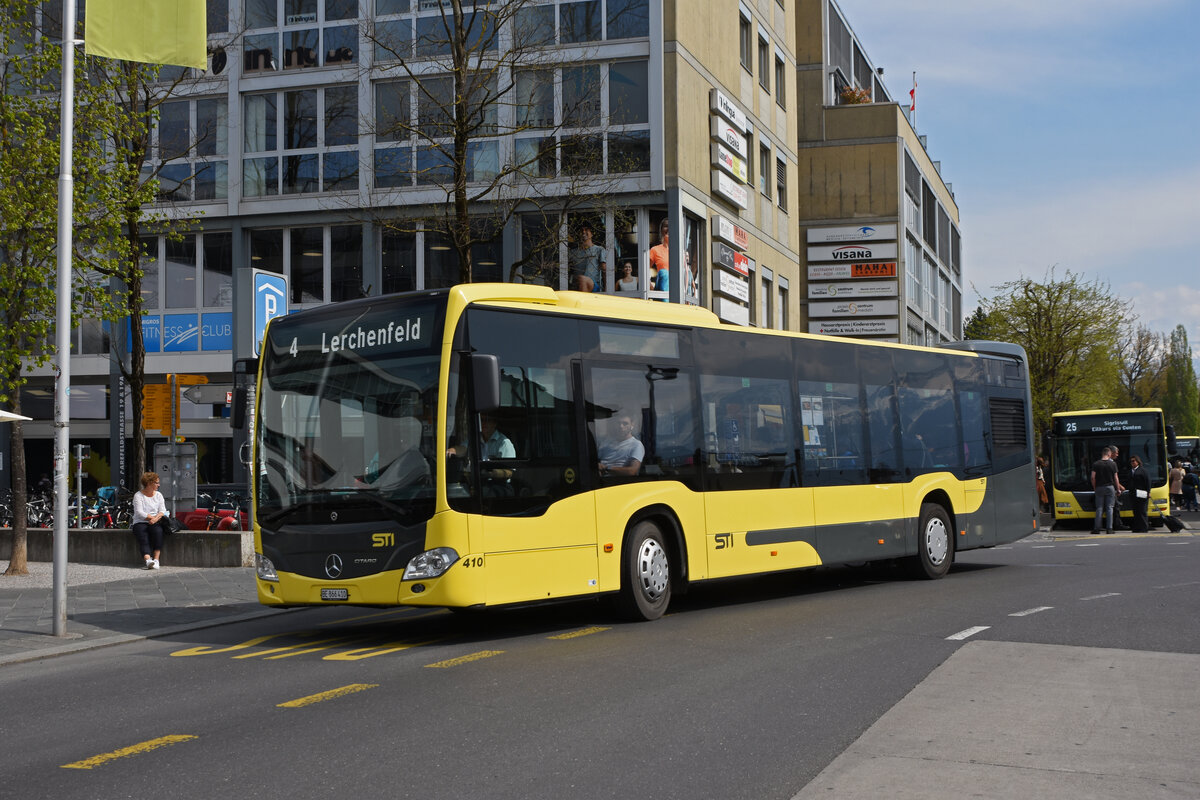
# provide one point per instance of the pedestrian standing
(1104, 485)
(1175, 482)
(1139, 490)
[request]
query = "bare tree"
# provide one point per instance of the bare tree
(495, 125)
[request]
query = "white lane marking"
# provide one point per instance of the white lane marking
(1182, 543)
(1089, 544)
(1029, 611)
(1043, 547)
(1176, 585)
(1101, 596)
(968, 632)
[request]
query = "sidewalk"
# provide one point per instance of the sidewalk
(110, 605)
(1191, 526)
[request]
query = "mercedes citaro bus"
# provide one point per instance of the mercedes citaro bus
(379, 479)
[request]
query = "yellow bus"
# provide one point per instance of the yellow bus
(1075, 441)
(499, 444)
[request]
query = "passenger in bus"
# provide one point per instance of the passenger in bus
(623, 454)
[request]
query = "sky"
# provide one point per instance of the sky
(1070, 133)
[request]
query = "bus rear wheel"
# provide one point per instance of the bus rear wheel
(935, 543)
(646, 578)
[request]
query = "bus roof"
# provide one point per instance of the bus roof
(1094, 411)
(516, 295)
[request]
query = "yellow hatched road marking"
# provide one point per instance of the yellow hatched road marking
(132, 750)
(332, 693)
(377, 650)
(454, 662)
(580, 632)
(295, 649)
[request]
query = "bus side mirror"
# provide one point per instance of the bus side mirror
(485, 381)
(1046, 444)
(237, 413)
(1172, 444)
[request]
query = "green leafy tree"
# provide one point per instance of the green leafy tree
(1070, 329)
(1181, 398)
(979, 325)
(30, 71)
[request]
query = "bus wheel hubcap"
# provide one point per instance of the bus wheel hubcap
(937, 540)
(652, 569)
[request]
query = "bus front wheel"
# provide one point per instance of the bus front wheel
(935, 543)
(646, 582)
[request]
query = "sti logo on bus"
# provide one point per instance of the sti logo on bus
(724, 540)
(383, 539)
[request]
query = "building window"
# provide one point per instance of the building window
(780, 83)
(311, 146)
(764, 64)
(745, 42)
(764, 170)
(313, 35)
(764, 300)
(781, 314)
(192, 149)
(411, 121)
(781, 183)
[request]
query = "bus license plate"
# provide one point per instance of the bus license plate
(335, 594)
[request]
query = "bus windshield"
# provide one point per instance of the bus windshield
(346, 418)
(1079, 441)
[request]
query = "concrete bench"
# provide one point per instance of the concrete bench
(118, 547)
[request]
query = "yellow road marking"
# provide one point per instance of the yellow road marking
(454, 662)
(377, 650)
(132, 750)
(580, 632)
(208, 651)
(332, 693)
(292, 648)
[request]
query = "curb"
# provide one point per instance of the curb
(81, 645)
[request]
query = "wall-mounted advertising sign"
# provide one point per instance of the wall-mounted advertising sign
(860, 233)
(729, 189)
(721, 157)
(725, 256)
(721, 104)
(854, 308)
(732, 285)
(824, 290)
(854, 327)
(727, 135)
(865, 251)
(726, 231)
(824, 272)
(731, 311)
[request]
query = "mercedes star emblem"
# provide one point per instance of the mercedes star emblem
(333, 565)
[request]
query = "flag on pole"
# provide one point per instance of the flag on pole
(912, 94)
(151, 31)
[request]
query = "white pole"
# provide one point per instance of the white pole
(62, 385)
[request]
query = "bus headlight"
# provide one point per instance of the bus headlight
(430, 564)
(264, 569)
